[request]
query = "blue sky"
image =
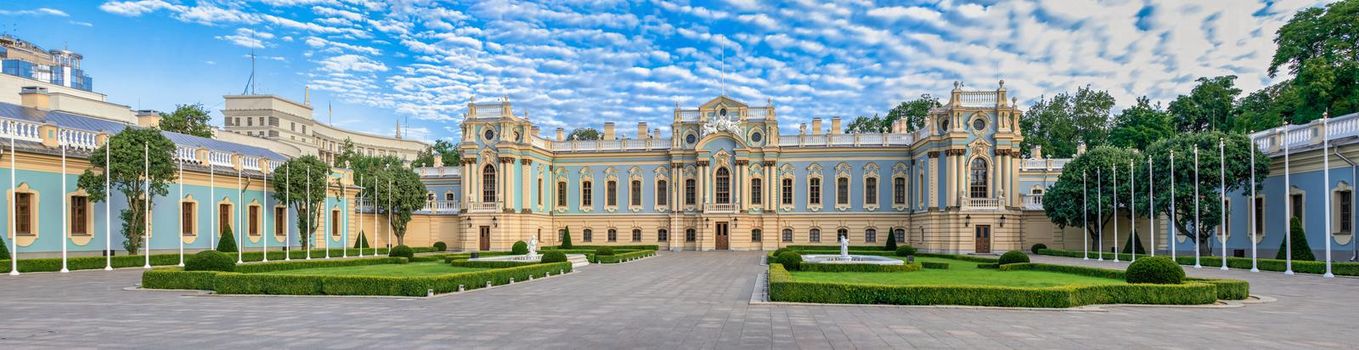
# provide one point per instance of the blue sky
(581, 63)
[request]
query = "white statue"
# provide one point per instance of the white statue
(844, 247)
(533, 246)
(722, 123)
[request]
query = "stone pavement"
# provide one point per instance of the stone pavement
(676, 300)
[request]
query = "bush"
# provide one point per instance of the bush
(1157, 270)
(554, 257)
(490, 264)
(933, 265)
(621, 257)
(790, 260)
(440, 246)
(891, 242)
(210, 260)
(1301, 251)
(1038, 247)
(1134, 241)
(1013, 257)
(905, 250)
(519, 248)
(361, 242)
(604, 251)
(228, 243)
(4, 249)
(811, 267)
(401, 251)
(566, 238)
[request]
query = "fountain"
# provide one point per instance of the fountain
(533, 256)
(846, 258)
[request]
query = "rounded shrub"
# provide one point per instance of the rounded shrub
(905, 250)
(1037, 247)
(1013, 257)
(519, 248)
(790, 260)
(1158, 270)
(604, 251)
(554, 257)
(401, 251)
(440, 246)
(210, 260)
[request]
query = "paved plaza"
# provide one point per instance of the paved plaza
(675, 300)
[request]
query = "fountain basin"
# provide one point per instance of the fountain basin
(850, 259)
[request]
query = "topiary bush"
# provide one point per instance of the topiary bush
(228, 242)
(1158, 270)
(4, 249)
(1013, 257)
(361, 242)
(401, 251)
(210, 260)
(1301, 251)
(554, 257)
(519, 248)
(566, 238)
(1134, 241)
(791, 261)
(891, 242)
(1037, 247)
(604, 251)
(905, 250)
(440, 246)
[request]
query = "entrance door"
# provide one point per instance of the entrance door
(722, 236)
(983, 239)
(485, 238)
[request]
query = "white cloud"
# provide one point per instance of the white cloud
(245, 37)
(916, 13)
(42, 11)
(351, 63)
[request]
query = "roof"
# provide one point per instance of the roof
(87, 123)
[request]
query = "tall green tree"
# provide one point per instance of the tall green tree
(1319, 47)
(398, 191)
(141, 160)
(1267, 108)
(583, 134)
(866, 124)
(1066, 120)
(914, 111)
(303, 188)
(189, 119)
(346, 155)
(1208, 107)
(445, 149)
(1141, 125)
(1083, 195)
(1237, 149)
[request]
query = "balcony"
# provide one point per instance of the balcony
(981, 203)
(1033, 202)
(720, 208)
(483, 207)
(441, 207)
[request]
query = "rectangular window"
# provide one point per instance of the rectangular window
(335, 223)
(613, 235)
(662, 193)
(1296, 203)
(635, 193)
(588, 235)
(901, 235)
(1346, 213)
(842, 191)
(540, 192)
(636, 235)
(23, 210)
(1227, 216)
(79, 216)
(587, 198)
(870, 235)
(787, 235)
(871, 191)
(186, 216)
(899, 190)
(561, 193)
(223, 217)
(1259, 215)
(254, 216)
(756, 191)
(755, 235)
(280, 221)
(690, 193)
(814, 236)
(689, 235)
(662, 235)
(448, 196)
(814, 191)
(787, 192)
(611, 193)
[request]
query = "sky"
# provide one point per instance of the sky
(577, 63)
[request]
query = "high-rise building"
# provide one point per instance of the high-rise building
(25, 59)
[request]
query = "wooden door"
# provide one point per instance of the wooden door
(723, 236)
(485, 240)
(983, 238)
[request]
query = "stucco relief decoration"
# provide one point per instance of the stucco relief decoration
(720, 123)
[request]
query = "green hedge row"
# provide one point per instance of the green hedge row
(933, 265)
(464, 256)
(782, 287)
(836, 248)
(1301, 266)
(265, 283)
(813, 267)
(490, 264)
(615, 247)
(121, 261)
(1227, 289)
(314, 263)
(620, 257)
(970, 258)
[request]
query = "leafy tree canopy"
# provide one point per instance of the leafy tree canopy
(445, 149)
(1209, 107)
(1064, 121)
(301, 183)
(1237, 168)
(1140, 125)
(583, 134)
(1084, 194)
(1319, 47)
(133, 152)
(189, 119)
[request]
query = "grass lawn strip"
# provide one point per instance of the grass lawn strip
(960, 273)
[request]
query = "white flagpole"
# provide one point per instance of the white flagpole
(65, 211)
(146, 191)
(1132, 207)
(344, 208)
(212, 212)
(375, 221)
(1326, 171)
(264, 237)
(1115, 207)
(1170, 226)
(1085, 220)
(240, 202)
(1253, 243)
(1222, 191)
(358, 242)
(1198, 226)
(325, 236)
(389, 215)
(14, 230)
(1151, 207)
(180, 195)
(1288, 209)
(1099, 212)
(311, 233)
(288, 197)
(108, 205)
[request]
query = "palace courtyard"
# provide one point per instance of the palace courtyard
(674, 300)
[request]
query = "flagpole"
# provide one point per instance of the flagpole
(1288, 209)
(288, 197)
(1099, 212)
(240, 202)
(375, 221)
(1326, 174)
(13, 220)
(1115, 211)
(1132, 207)
(389, 215)
(325, 236)
(1222, 191)
(65, 210)
(311, 233)
(265, 237)
(146, 217)
(108, 205)
(1170, 226)
(1253, 242)
(1151, 207)
(180, 195)
(1198, 226)
(358, 242)
(1085, 219)
(212, 193)
(344, 207)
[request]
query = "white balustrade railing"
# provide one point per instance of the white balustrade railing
(220, 159)
(441, 207)
(978, 98)
(981, 203)
(1033, 201)
(21, 130)
(250, 163)
(720, 208)
(483, 207)
(78, 139)
(1294, 136)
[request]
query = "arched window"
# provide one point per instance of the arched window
(662, 192)
(611, 193)
(635, 193)
(756, 191)
(871, 191)
(842, 191)
(587, 190)
(814, 235)
(636, 235)
(787, 235)
(787, 192)
(723, 185)
(870, 235)
(662, 235)
(979, 176)
(488, 183)
(901, 235)
(841, 233)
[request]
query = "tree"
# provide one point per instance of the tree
(1237, 169)
(187, 119)
(1301, 250)
(1141, 125)
(447, 151)
(566, 238)
(346, 155)
(1066, 205)
(583, 134)
(891, 242)
(1267, 108)
(398, 192)
(1208, 107)
(303, 187)
(129, 175)
(1066, 120)
(1318, 47)
(914, 111)
(865, 124)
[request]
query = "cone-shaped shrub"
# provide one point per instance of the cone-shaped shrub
(228, 242)
(4, 249)
(891, 242)
(1134, 241)
(1301, 251)
(566, 238)
(361, 242)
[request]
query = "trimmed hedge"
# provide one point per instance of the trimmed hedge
(836, 247)
(1300, 266)
(933, 265)
(905, 250)
(209, 260)
(621, 257)
(490, 264)
(1037, 247)
(440, 246)
(519, 248)
(1013, 257)
(1227, 289)
(122, 261)
(554, 257)
(592, 247)
(312, 264)
(604, 251)
(1158, 270)
(176, 278)
(814, 267)
(790, 260)
(976, 259)
(782, 287)
(237, 283)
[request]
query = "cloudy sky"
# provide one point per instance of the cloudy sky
(583, 62)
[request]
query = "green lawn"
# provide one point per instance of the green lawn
(959, 273)
(395, 270)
